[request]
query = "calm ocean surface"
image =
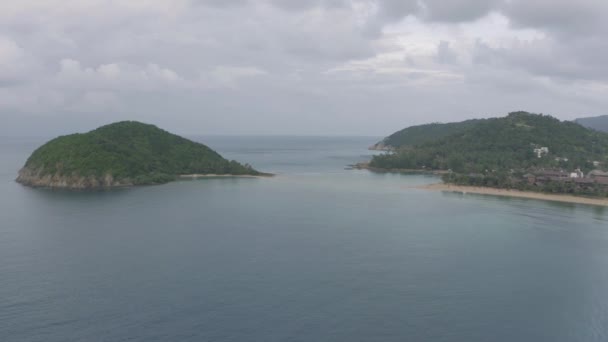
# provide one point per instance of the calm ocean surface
(318, 253)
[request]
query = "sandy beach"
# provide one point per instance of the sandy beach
(515, 193)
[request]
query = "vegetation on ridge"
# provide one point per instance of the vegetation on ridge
(132, 152)
(499, 151)
(416, 135)
(504, 143)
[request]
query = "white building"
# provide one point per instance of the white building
(541, 151)
(577, 174)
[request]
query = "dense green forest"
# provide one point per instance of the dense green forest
(599, 123)
(416, 135)
(132, 151)
(504, 145)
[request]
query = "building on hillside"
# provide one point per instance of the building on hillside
(577, 178)
(540, 151)
(597, 174)
(553, 173)
(577, 174)
(531, 178)
(601, 180)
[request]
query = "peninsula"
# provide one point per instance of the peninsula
(122, 154)
(522, 151)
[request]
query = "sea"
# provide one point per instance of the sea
(317, 253)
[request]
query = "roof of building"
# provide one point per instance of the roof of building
(553, 173)
(598, 173)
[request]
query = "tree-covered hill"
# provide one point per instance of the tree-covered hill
(502, 144)
(599, 123)
(416, 135)
(122, 153)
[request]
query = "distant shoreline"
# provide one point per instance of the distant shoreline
(212, 175)
(514, 193)
(365, 166)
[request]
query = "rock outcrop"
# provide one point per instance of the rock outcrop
(37, 178)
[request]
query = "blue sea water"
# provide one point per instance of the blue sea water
(317, 253)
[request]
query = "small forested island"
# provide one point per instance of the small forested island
(523, 151)
(123, 154)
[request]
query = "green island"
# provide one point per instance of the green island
(522, 151)
(123, 154)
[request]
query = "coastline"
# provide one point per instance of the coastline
(213, 175)
(514, 193)
(33, 179)
(365, 166)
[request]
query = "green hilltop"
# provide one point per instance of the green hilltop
(523, 151)
(416, 135)
(505, 144)
(120, 154)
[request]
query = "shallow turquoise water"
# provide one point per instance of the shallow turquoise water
(317, 253)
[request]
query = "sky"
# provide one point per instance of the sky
(301, 67)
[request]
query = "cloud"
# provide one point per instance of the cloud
(229, 75)
(309, 4)
(445, 54)
(14, 63)
(9, 51)
(275, 66)
(116, 76)
(563, 16)
(458, 10)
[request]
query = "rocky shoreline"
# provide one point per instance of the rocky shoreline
(37, 179)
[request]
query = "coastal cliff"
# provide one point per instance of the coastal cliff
(38, 178)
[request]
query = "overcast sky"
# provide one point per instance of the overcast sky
(306, 67)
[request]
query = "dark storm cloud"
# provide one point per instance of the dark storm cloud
(573, 46)
(395, 10)
(308, 4)
(560, 16)
(577, 60)
(390, 10)
(459, 10)
(219, 3)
